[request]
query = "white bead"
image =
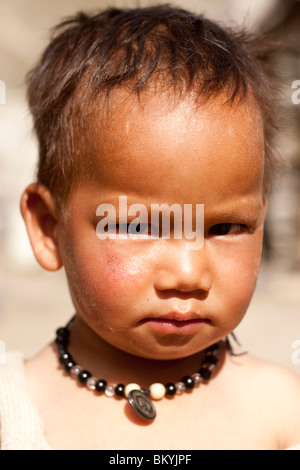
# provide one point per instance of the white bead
(180, 388)
(90, 383)
(74, 371)
(197, 378)
(131, 387)
(157, 391)
(109, 391)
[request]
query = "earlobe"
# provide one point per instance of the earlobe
(41, 220)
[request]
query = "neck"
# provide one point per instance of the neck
(106, 362)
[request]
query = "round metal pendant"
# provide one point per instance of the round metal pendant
(142, 405)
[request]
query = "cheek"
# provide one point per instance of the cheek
(106, 277)
(245, 278)
(244, 267)
(121, 274)
(238, 277)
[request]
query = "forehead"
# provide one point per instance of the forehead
(140, 141)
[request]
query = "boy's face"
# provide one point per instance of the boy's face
(159, 298)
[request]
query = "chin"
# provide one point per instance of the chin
(167, 352)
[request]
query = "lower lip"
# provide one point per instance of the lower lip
(174, 326)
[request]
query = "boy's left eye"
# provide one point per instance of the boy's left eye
(227, 229)
(143, 229)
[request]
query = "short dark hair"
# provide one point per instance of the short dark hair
(89, 55)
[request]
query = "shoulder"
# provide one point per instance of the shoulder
(276, 392)
(266, 374)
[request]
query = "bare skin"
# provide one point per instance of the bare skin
(155, 152)
(238, 409)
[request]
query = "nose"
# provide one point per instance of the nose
(184, 270)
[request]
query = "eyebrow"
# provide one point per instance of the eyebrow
(245, 207)
(248, 210)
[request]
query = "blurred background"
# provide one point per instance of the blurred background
(33, 302)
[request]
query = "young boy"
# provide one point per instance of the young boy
(154, 106)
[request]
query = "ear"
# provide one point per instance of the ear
(40, 217)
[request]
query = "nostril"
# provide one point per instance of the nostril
(198, 294)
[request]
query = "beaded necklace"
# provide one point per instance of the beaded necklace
(140, 399)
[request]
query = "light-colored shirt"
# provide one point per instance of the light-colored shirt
(21, 427)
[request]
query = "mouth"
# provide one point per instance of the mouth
(176, 323)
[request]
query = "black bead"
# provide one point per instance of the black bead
(63, 332)
(119, 390)
(211, 359)
(62, 337)
(64, 357)
(188, 382)
(61, 341)
(69, 363)
(83, 376)
(205, 373)
(170, 389)
(213, 347)
(100, 386)
(61, 349)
